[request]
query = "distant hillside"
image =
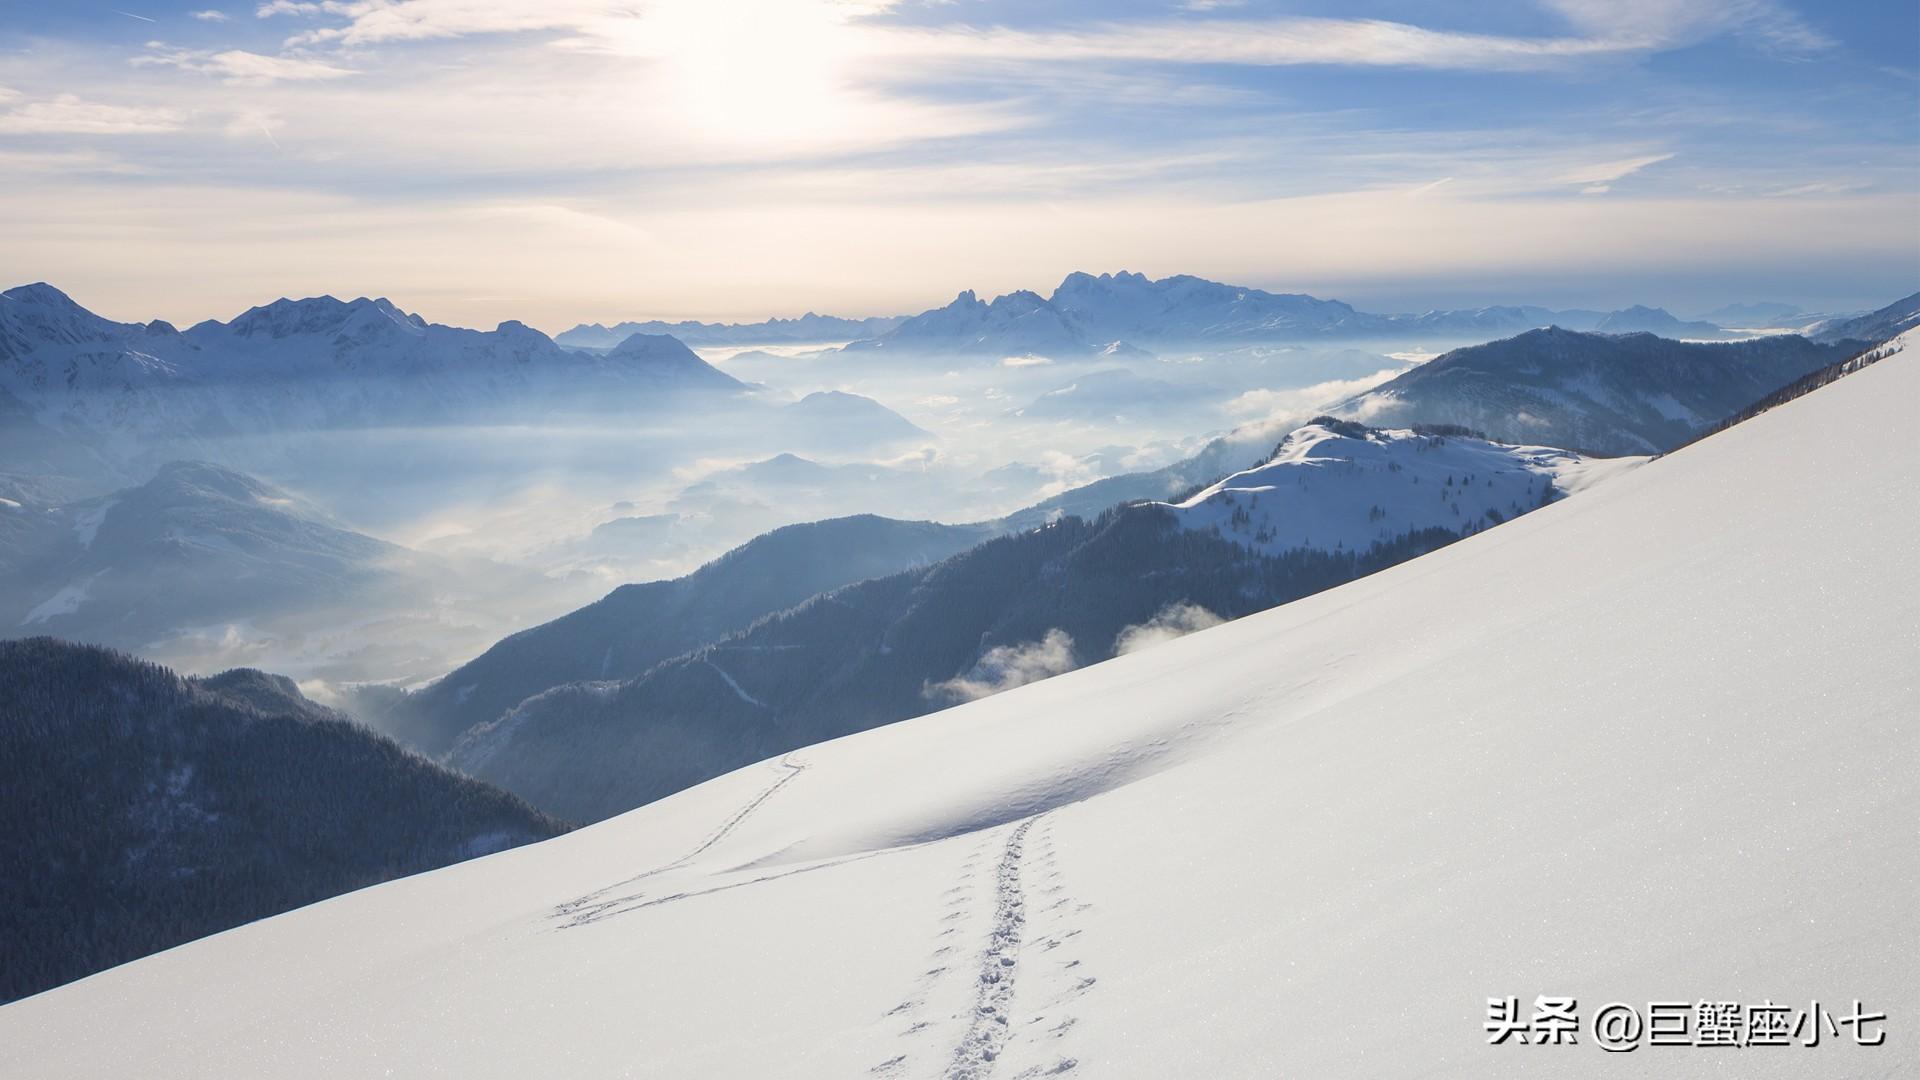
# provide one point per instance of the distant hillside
(1875, 326)
(1641, 319)
(1608, 394)
(164, 809)
(637, 626)
(194, 545)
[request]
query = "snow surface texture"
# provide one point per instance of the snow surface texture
(1343, 488)
(1652, 743)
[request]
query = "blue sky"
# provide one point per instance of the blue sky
(598, 159)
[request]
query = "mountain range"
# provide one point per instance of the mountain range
(808, 329)
(1341, 501)
(1128, 312)
(164, 809)
(1648, 737)
(78, 390)
(808, 634)
(1333, 487)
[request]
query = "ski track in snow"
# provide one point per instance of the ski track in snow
(590, 908)
(990, 1027)
(1025, 922)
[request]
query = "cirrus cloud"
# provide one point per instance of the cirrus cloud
(239, 67)
(69, 114)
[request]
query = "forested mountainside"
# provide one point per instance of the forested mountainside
(637, 626)
(1606, 394)
(1009, 611)
(164, 809)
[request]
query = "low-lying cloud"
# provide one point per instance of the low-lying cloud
(1173, 621)
(1004, 667)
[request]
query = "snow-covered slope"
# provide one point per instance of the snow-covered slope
(1652, 744)
(1338, 486)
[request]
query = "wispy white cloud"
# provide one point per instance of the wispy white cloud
(1606, 27)
(367, 22)
(244, 68)
(1273, 42)
(1655, 24)
(210, 15)
(68, 114)
(68, 163)
(1818, 187)
(1598, 177)
(294, 7)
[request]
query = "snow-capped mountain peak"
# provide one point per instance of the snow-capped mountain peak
(39, 312)
(1334, 485)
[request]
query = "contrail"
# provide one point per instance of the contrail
(131, 15)
(264, 130)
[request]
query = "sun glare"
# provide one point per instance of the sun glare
(753, 71)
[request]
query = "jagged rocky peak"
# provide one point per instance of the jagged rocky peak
(319, 315)
(1019, 300)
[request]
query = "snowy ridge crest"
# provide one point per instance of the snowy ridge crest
(1337, 485)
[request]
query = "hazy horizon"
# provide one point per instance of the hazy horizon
(1381, 302)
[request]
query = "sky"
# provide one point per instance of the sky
(593, 160)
